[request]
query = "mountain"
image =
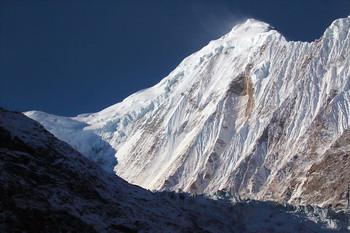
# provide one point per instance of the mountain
(251, 114)
(47, 186)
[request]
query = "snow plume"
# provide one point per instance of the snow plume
(216, 19)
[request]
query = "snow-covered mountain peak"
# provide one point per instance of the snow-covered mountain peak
(245, 37)
(250, 113)
(336, 30)
(252, 26)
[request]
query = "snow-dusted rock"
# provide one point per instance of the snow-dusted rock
(250, 113)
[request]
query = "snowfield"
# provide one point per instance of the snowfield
(251, 114)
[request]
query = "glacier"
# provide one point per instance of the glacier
(250, 113)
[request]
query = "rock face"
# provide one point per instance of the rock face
(328, 178)
(47, 186)
(250, 113)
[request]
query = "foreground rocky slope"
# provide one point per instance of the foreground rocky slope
(251, 113)
(46, 186)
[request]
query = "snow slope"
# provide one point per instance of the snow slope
(47, 186)
(250, 113)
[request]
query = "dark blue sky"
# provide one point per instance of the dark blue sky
(71, 57)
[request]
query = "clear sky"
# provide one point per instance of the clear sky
(70, 57)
